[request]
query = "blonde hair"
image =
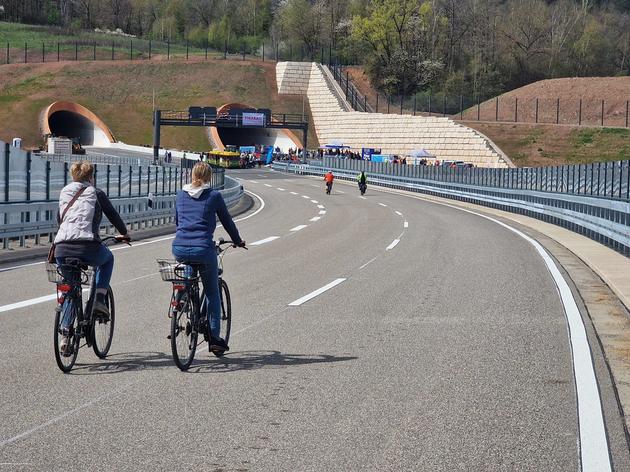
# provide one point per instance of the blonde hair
(82, 171)
(201, 174)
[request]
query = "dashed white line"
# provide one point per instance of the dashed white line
(305, 196)
(367, 263)
(315, 218)
(253, 181)
(321, 207)
(364, 198)
(382, 204)
(393, 244)
(294, 193)
(298, 228)
(398, 213)
(314, 201)
(322, 212)
(267, 185)
(264, 241)
(281, 189)
(319, 291)
(32, 301)
(339, 191)
(313, 185)
(406, 224)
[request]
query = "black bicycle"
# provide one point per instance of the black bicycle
(73, 321)
(188, 310)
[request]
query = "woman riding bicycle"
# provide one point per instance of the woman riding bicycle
(196, 208)
(82, 206)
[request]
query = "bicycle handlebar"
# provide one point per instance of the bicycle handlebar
(117, 240)
(222, 241)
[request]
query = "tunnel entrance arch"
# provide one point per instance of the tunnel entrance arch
(229, 119)
(74, 121)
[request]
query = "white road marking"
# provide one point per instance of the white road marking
(32, 301)
(267, 185)
(298, 228)
(313, 185)
(319, 291)
(264, 241)
(393, 244)
(20, 266)
(281, 189)
(314, 201)
(361, 196)
(315, 218)
(406, 224)
(339, 191)
(382, 204)
(294, 193)
(253, 181)
(305, 196)
(367, 263)
(321, 206)
(322, 212)
(398, 213)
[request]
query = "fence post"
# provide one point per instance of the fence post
(131, 49)
(580, 113)
(94, 51)
(58, 52)
(626, 113)
(76, 51)
(414, 105)
(365, 108)
(429, 103)
(515, 109)
(112, 50)
(558, 111)
(25, 53)
(150, 44)
(388, 100)
(478, 109)
(461, 107)
(536, 110)
(43, 52)
(206, 47)
(168, 49)
(602, 112)
(377, 107)
(243, 52)
(8, 54)
(186, 49)
(402, 99)
(444, 106)
(496, 110)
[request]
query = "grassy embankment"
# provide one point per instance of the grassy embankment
(121, 94)
(550, 145)
(17, 35)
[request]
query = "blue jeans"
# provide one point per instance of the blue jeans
(103, 262)
(206, 259)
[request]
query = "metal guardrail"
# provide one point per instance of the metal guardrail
(605, 220)
(38, 220)
(96, 158)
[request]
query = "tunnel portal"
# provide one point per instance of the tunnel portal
(74, 121)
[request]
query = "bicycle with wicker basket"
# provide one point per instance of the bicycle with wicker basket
(188, 311)
(74, 320)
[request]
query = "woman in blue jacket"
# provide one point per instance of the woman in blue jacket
(196, 208)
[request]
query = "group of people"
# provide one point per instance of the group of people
(81, 209)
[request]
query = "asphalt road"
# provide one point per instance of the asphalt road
(445, 351)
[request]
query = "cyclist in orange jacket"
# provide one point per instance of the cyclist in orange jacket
(329, 177)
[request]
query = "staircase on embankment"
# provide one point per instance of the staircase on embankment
(334, 120)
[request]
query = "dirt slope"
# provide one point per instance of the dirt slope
(121, 93)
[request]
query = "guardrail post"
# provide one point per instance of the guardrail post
(108, 178)
(65, 174)
(119, 179)
(130, 179)
(7, 154)
(47, 180)
(29, 161)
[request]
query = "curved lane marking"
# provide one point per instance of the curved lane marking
(393, 244)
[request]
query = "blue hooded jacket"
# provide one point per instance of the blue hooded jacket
(195, 210)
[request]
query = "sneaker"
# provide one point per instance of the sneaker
(218, 344)
(64, 345)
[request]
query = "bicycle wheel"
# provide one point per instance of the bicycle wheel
(103, 329)
(67, 357)
(183, 332)
(226, 315)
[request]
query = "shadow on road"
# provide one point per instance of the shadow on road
(250, 360)
(204, 362)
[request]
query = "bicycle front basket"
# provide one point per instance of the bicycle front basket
(173, 271)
